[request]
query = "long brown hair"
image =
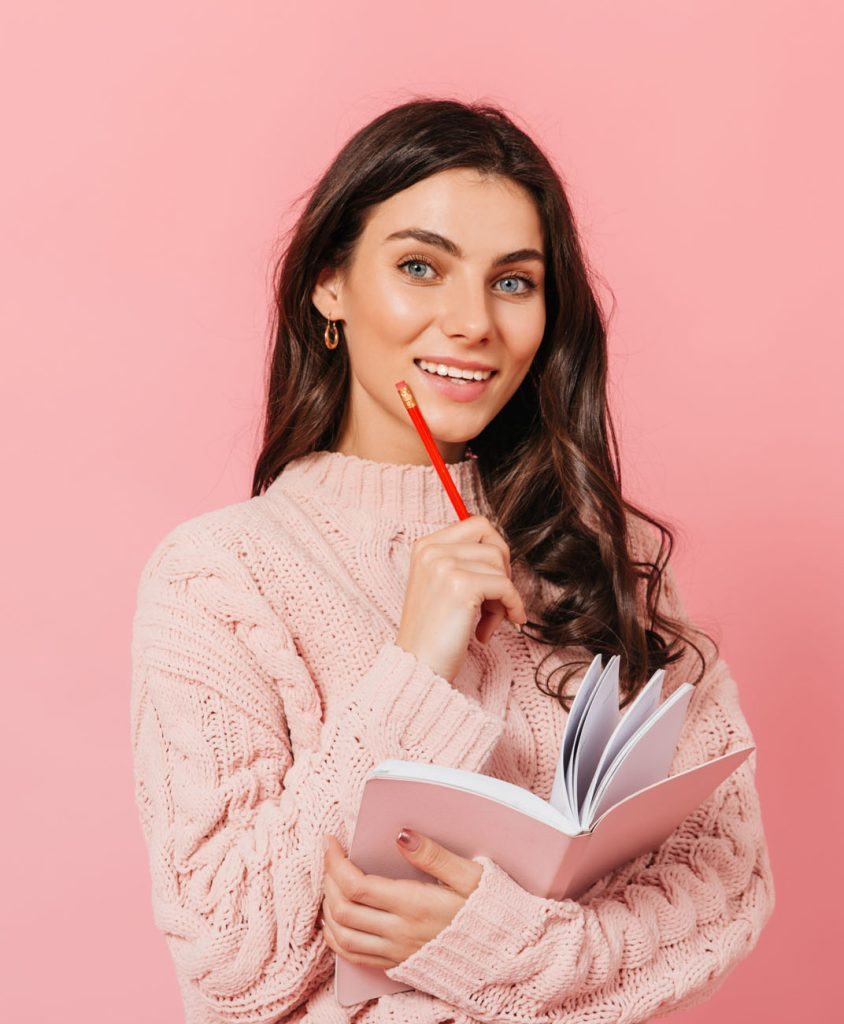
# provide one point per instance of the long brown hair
(571, 523)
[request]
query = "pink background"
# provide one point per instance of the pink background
(152, 154)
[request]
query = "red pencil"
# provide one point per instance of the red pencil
(415, 414)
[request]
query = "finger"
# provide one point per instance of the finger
(334, 936)
(459, 873)
(482, 586)
(374, 891)
(493, 611)
(493, 614)
(489, 554)
(356, 915)
(492, 567)
(477, 529)
(332, 850)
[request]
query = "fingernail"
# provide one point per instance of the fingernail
(324, 843)
(408, 839)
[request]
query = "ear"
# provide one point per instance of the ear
(327, 294)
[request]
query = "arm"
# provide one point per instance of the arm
(233, 823)
(658, 935)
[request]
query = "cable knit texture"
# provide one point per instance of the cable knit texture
(266, 684)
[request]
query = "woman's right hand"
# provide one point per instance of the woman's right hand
(455, 573)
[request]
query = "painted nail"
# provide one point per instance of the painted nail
(408, 839)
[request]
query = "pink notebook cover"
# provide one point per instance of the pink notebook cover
(539, 857)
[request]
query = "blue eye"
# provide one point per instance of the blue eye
(416, 263)
(419, 261)
(529, 282)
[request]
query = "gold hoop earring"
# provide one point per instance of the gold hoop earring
(332, 334)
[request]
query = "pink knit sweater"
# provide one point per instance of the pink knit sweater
(266, 684)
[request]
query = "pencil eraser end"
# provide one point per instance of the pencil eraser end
(401, 384)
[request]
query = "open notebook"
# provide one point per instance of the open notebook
(611, 800)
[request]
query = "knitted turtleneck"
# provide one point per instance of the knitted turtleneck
(386, 490)
(266, 684)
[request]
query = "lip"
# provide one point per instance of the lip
(467, 392)
(461, 364)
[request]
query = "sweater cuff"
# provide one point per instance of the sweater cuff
(411, 712)
(479, 945)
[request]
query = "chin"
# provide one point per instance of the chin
(453, 434)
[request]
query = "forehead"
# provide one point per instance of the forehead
(484, 215)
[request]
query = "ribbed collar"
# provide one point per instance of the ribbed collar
(406, 492)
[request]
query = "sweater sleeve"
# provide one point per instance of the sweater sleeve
(233, 821)
(658, 935)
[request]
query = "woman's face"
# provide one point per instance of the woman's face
(450, 272)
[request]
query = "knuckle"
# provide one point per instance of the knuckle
(357, 891)
(458, 581)
(445, 565)
(427, 554)
(341, 913)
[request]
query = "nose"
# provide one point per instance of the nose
(465, 311)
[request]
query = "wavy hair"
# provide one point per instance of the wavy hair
(570, 523)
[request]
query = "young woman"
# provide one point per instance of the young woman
(286, 644)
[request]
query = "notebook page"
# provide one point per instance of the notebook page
(635, 716)
(645, 758)
(597, 725)
(559, 796)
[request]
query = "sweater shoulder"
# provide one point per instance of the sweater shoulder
(219, 538)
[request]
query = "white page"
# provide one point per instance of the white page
(645, 758)
(559, 797)
(600, 719)
(571, 753)
(581, 700)
(638, 713)
(485, 785)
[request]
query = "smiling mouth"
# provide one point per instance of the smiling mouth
(454, 374)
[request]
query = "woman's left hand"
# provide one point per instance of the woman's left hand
(377, 921)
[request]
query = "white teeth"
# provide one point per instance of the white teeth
(444, 370)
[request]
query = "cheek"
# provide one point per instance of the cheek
(388, 315)
(401, 311)
(522, 327)
(524, 346)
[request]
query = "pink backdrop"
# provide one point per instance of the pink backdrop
(152, 153)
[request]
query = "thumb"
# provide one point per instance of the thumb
(492, 615)
(449, 868)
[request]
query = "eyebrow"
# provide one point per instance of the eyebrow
(453, 249)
